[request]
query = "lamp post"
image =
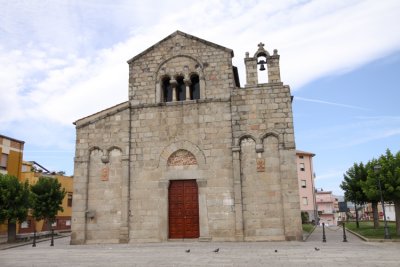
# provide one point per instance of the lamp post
(377, 169)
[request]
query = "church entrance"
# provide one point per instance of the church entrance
(183, 209)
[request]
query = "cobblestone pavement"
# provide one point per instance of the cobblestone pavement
(313, 252)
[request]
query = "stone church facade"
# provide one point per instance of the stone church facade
(191, 154)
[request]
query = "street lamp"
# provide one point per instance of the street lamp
(377, 169)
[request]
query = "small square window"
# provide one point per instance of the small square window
(303, 184)
(305, 201)
(26, 224)
(301, 157)
(4, 161)
(69, 200)
(302, 167)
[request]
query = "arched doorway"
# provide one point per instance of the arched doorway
(183, 209)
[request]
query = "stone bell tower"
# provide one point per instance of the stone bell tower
(265, 178)
(262, 57)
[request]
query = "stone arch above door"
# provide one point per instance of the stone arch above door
(179, 149)
(181, 157)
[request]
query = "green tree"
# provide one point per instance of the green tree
(14, 203)
(371, 189)
(305, 217)
(351, 186)
(390, 181)
(47, 197)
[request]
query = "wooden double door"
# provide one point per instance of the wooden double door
(183, 209)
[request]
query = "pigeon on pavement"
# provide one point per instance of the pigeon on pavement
(187, 251)
(216, 250)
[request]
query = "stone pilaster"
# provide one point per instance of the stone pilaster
(203, 214)
(237, 184)
(79, 206)
(163, 210)
(124, 228)
(290, 195)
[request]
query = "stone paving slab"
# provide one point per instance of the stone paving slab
(332, 253)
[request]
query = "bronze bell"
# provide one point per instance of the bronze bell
(262, 62)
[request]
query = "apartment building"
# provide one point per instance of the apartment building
(327, 206)
(11, 162)
(11, 151)
(305, 174)
(31, 171)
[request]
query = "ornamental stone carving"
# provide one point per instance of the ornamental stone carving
(181, 157)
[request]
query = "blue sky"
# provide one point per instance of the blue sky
(63, 60)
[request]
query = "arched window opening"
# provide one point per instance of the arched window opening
(181, 89)
(194, 87)
(167, 89)
(262, 71)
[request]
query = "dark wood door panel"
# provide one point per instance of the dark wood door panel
(183, 209)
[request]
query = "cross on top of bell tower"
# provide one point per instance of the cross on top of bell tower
(261, 51)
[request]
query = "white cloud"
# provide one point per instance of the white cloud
(339, 41)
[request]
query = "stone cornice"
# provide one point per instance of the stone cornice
(181, 103)
(101, 115)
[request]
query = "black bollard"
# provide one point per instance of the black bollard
(344, 232)
(52, 238)
(323, 233)
(34, 238)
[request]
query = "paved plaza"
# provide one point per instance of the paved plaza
(312, 252)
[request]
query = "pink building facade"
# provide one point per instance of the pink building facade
(327, 206)
(305, 174)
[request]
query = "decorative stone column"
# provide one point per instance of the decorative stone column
(124, 228)
(202, 82)
(173, 84)
(158, 92)
(237, 184)
(203, 214)
(187, 82)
